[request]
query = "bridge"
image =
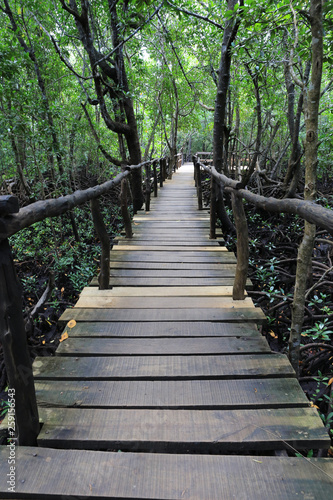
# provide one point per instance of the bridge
(163, 387)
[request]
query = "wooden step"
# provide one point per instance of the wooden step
(161, 367)
(221, 315)
(223, 272)
(167, 329)
(167, 291)
(181, 431)
(76, 474)
(162, 256)
(161, 346)
(173, 394)
(176, 302)
(173, 246)
(143, 281)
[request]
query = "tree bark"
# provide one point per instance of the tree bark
(219, 136)
(311, 105)
(238, 291)
(104, 274)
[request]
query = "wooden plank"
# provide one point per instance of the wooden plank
(161, 218)
(221, 273)
(170, 245)
(165, 329)
(154, 282)
(166, 240)
(176, 302)
(181, 266)
(142, 476)
(161, 346)
(156, 248)
(166, 256)
(176, 234)
(173, 394)
(168, 291)
(221, 315)
(161, 367)
(165, 431)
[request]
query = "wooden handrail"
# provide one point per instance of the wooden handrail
(309, 211)
(12, 328)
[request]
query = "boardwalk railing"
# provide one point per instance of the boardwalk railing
(309, 211)
(12, 327)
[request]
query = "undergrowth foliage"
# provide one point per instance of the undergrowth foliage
(273, 243)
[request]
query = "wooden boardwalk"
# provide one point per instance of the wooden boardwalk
(165, 388)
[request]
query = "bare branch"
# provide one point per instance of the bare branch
(129, 36)
(193, 14)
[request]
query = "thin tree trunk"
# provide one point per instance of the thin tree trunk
(311, 102)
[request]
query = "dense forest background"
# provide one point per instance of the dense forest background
(88, 87)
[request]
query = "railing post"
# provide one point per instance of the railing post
(170, 167)
(155, 178)
(213, 194)
(147, 187)
(22, 396)
(198, 184)
(104, 274)
(238, 291)
(161, 172)
(124, 207)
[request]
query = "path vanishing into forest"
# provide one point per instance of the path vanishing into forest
(165, 388)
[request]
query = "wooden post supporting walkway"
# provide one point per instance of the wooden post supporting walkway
(165, 388)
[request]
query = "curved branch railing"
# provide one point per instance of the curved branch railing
(307, 210)
(12, 327)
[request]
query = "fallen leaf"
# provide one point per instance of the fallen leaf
(258, 461)
(272, 334)
(71, 323)
(314, 406)
(43, 341)
(330, 381)
(63, 337)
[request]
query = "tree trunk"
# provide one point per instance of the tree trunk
(311, 106)
(219, 136)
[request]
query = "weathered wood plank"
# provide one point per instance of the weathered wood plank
(165, 256)
(173, 394)
(167, 291)
(143, 476)
(144, 281)
(162, 302)
(166, 329)
(161, 367)
(161, 218)
(181, 241)
(221, 315)
(172, 236)
(150, 346)
(223, 272)
(165, 431)
(171, 246)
